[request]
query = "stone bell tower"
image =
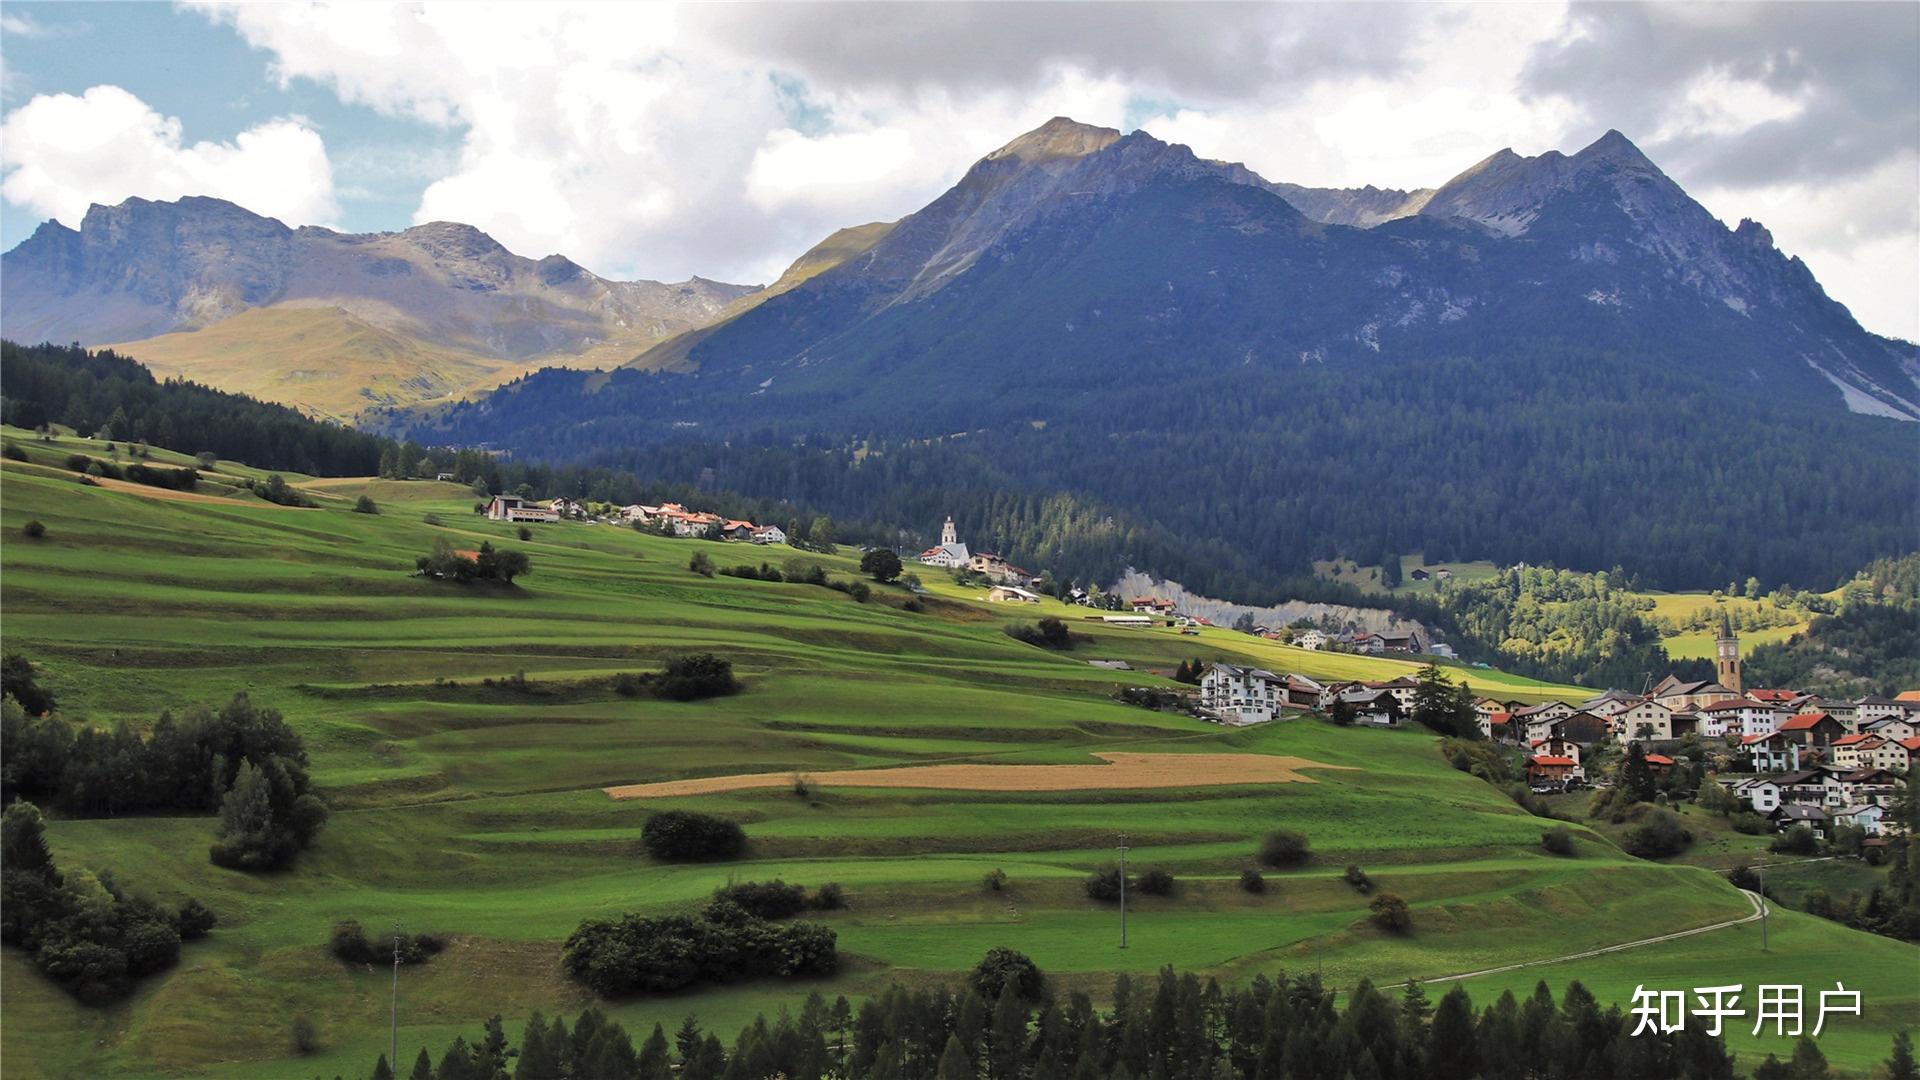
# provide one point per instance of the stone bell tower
(1726, 658)
(947, 535)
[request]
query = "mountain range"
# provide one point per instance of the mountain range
(1281, 372)
(1074, 239)
(332, 322)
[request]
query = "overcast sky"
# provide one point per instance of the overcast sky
(723, 140)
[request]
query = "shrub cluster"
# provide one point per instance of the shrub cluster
(486, 564)
(1156, 882)
(684, 835)
(1358, 878)
(1048, 633)
(689, 678)
(778, 900)
(20, 682)
(1659, 834)
(243, 760)
(1003, 970)
(1390, 913)
(152, 476)
(1285, 847)
(763, 572)
(1253, 881)
(638, 954)
(1557, 841)
(275, 489)
(349, 943)
(83, 931)
(1104, 884)
(1797, 840)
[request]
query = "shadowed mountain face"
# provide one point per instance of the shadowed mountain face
(141, 269)
(1561, 358)
(1075, 253)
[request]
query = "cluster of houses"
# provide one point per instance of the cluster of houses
(675, 517)
(1238, 696)
(1011, 582)
(1796, 758)
(699, 523)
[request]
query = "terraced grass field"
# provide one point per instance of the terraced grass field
(470, 803)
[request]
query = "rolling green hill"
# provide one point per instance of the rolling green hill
(474, 809)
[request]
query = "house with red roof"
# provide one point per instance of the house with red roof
(1813, 731)
(1659, 764)
(1854, 751)
(1548, 769)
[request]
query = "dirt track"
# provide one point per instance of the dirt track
(1122, 771)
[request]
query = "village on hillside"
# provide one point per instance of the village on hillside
(1789, 757)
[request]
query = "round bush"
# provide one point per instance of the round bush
(1003, 969)
(1557, 841)
(1660, 834)
(1253, 881)
(1285, 847)
(33, 530)
(1104, 884)
(1156, 882)
(682, 835)
(1390, 913)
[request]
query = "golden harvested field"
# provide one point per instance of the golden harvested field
(1121, 771)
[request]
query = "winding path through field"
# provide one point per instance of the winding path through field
(1759, 911)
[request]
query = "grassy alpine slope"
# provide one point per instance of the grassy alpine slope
(475, 810)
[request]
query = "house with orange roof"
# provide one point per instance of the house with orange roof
(1548, 769)
(1855, 751)
(1813, 731)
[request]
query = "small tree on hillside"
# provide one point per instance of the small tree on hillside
(1636, 779)
(882, 564)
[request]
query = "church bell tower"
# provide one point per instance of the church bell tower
(1726, 663)
(947, 535)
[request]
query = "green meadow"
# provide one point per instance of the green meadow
(467, 800)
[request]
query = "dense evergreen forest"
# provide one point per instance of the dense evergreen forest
(110, 395)
(1870, 646)
(1583, 461)
(1172, 1028)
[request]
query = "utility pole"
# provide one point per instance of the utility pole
(1763, 906)
(393, 1031)
(1123, 890)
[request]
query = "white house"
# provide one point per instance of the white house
(1648, 719)
(1011, 594)
(769, 534)
(1772, 752)
(1311, 639)
(1892, 730)
(514, 508)
(1869, 709)
(1243, 695)
(1868, 818)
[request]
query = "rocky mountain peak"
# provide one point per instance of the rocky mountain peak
(1058, 138)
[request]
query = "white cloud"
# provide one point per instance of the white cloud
(62, 152)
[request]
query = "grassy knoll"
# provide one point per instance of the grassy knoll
(468, 803)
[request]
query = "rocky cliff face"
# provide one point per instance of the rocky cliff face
(144, 268)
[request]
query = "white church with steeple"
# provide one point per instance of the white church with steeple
(950, 552)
